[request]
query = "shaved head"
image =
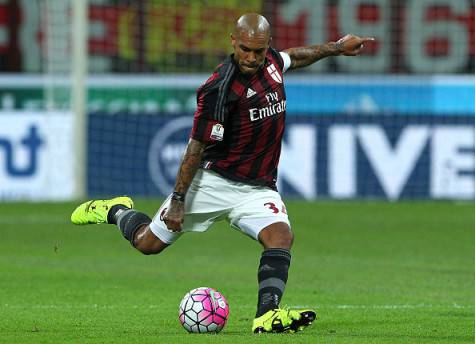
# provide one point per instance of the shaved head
(252, 25)
(250, 40)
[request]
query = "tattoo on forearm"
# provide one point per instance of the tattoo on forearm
(304, 56)
(189, 165)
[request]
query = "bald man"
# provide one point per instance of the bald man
(229, 168)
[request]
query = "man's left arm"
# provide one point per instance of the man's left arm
(349, 45)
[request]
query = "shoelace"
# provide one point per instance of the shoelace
(286, 316)
(291, 314)
(88, 206)
(91, 208)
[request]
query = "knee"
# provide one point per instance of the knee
(277, 236)
(147, 243)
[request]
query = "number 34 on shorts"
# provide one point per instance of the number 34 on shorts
(274, 208)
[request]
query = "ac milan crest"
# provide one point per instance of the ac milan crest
(274, 73)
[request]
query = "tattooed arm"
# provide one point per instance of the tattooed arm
(349, 45)
(189, 165)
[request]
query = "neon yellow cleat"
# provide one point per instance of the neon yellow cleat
(96, 211)
(283, 320)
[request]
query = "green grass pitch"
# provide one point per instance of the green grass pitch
(376, 272)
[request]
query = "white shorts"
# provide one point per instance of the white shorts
(212, 197)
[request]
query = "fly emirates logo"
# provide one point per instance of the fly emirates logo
(275, 107)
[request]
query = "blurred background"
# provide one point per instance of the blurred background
(97, 97)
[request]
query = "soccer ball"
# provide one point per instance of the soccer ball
(203, 310)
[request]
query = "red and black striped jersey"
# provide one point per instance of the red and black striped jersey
(242, 119)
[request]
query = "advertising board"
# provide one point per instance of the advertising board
(36, 156)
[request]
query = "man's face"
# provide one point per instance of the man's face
(250, 51)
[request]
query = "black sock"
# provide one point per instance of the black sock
(272, 277)
(128, 220)
(114, 212)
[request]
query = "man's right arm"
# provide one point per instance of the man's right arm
(189, 165)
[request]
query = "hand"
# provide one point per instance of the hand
(175, 215)
(351, 45)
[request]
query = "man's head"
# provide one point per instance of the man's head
(250, 40)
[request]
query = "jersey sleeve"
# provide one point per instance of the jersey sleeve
(207, 128)
(286, 59)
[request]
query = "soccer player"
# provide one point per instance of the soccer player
(229, 168)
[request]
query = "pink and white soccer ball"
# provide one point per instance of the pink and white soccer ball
(203, 310)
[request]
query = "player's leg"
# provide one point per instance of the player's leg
(276, 235)
(274, 264)
(263, 217)
(134, 225)
(272, 275)
(151, 236)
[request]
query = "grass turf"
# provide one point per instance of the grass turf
(375, 272)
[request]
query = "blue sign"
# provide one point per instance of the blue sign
(31, 142)
(338, 157)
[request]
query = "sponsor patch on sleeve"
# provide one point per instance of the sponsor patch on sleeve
(217, 132)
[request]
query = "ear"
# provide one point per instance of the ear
(233, 40)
